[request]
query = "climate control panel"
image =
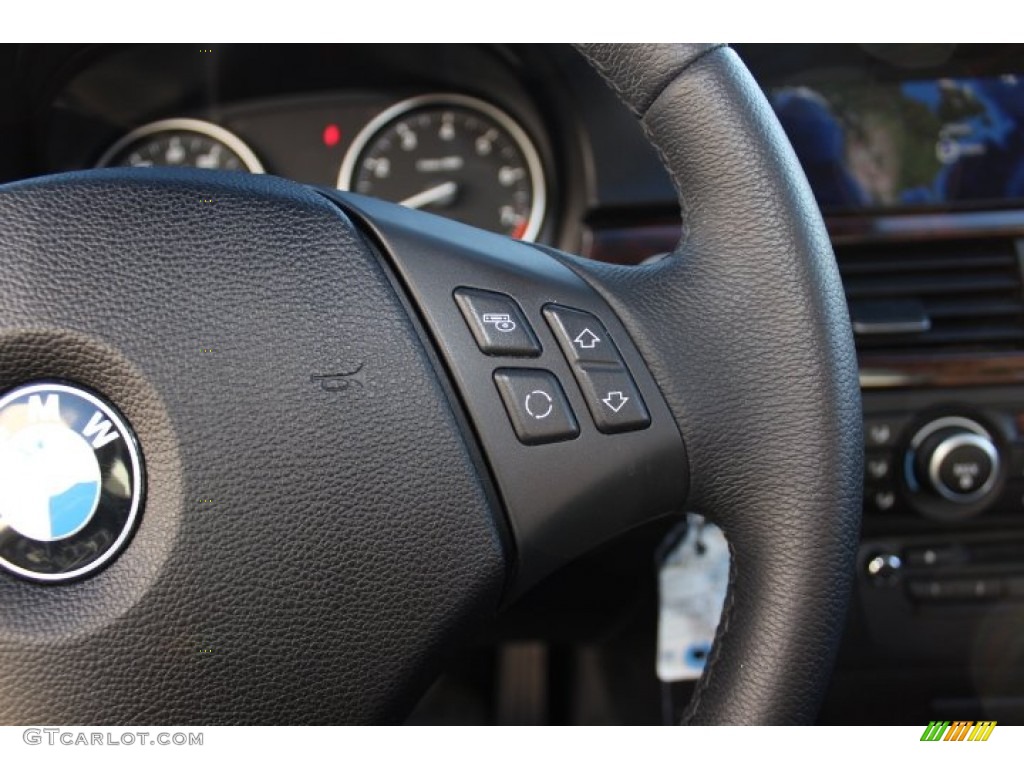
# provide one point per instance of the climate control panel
(946, 456)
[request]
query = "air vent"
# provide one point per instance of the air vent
(938, 296)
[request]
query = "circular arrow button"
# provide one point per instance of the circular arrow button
(539, 404)
(536, 405)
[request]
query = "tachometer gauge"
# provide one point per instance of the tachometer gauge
(452, 155)
(185, 143)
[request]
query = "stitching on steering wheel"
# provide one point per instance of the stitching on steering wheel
(723, 629)
(727, 612)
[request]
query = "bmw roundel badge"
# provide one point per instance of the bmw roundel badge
(70, 482)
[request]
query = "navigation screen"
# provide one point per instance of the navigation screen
(916, 143)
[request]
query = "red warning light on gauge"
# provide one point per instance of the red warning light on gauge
(331, 135)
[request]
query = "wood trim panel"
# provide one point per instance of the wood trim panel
(631, 244)
(917, 371)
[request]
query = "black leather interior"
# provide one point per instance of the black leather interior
(311, 547)
(746, 330)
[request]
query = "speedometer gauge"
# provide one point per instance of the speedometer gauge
(184, 143)
(452, 155)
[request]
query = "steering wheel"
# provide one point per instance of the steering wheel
(361, 430)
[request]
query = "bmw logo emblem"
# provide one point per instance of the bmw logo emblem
(70, 482)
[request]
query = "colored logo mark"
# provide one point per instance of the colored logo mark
(959, 730)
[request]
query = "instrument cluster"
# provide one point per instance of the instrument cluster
(447, 153)
(459, 131)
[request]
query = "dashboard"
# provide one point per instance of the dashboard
(915, 154)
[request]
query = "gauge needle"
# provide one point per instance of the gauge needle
(442, 193)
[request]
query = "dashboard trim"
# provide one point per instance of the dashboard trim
(949, 370)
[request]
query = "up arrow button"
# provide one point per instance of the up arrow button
(586, 339)
(581, 336)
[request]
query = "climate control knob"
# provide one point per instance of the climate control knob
(955, 458)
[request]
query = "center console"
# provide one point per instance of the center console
(944, 518)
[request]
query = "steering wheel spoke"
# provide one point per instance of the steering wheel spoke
(576, 433)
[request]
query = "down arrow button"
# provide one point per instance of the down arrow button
(615, 400)
(612, 398)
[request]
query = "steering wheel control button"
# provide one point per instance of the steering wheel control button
(613, 399)
(70, 482)
(536, 405)
(581, 336)
(497, 323)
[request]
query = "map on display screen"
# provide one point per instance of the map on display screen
(912, 143)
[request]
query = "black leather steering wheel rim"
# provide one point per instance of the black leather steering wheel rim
(780, 402)
(350, 431)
